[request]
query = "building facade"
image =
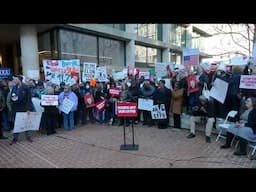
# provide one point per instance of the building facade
(24, 47)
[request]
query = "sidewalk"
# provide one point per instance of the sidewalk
(98, 146)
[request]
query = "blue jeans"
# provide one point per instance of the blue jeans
(68, 118)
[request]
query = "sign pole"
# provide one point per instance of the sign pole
(124, 131)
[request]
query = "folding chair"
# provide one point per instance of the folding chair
(225, 125)
(251, 153)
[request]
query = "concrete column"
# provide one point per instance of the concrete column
(130, 53)
(29, 51)
(189, 31)
(166, 39)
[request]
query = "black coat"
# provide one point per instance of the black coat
(252, 120)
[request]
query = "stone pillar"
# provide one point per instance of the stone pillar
(130, 53)
(166, 39)
(29, 51)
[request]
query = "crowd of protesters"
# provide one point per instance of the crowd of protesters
(16, 96)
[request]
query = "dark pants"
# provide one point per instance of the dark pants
(147, 118)
(176, 119)
(88, 112)
(242, 142)
(1, 127)
(51, 124)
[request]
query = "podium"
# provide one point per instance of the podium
(128, 109)
(129, 146)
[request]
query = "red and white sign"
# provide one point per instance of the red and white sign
(248, 82)
(49, 100)
(100, 105)
(114, 92)
(127, 109)
(192, 83)
(89, 101)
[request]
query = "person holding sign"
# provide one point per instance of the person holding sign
(65, 98)
(176, 104)
(21, 102)
(147, 92)
(163, 96)
(51, 112)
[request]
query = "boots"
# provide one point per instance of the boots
(242, 147)
(228, 141)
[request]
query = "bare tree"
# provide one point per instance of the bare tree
(242, 35)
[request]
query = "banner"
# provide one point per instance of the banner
(5, 73)
(66, 106)
(248, 82)
(57, 71)
(71, 71)
(114, 92)
(25, 121)
(145, 104)
(100, 105)
(89, 71)
(49, 100)
(192, 84)
(101, 74)
(219, 90)
(89, 100)
(158, 112)
(127, 109)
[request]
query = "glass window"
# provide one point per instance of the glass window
(176, 34)
(147, 56)
(141, 54)
(111, 54)
(151, 31)
(116, 26)
(78, 46)
(175, 58)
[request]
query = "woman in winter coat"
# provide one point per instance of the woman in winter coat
(176, 104)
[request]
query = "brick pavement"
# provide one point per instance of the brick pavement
(96, 146)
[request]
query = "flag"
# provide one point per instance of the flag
(191, 60)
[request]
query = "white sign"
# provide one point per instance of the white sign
(145, 74)
(219, 90)
(145, 104)
(119, 75)
(66, 106)
(37, 104)
(49, 100)
(160, 70)
(89, 71)
(33, 74)
(158, 112)
(248, 82)
(101, 74)
(25, 121)
(168, 83)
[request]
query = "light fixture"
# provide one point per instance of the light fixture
(1, 60)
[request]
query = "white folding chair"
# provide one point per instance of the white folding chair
(251, 153)
(225, 125)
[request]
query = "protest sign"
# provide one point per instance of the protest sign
(145, 104)
(25, 121)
